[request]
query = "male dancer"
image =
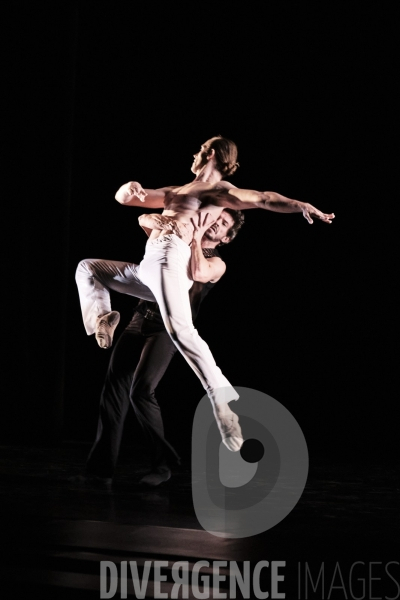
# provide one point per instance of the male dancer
(164, 268)
(141, 357)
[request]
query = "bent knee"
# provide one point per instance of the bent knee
(84, 267)
(143, 390)
(181, 334)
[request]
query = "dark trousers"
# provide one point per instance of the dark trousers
(138, 361)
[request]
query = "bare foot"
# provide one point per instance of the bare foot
(228, 425)
(105, 327)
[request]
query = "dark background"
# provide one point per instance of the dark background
(100, 94)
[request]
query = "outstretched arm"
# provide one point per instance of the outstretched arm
(238, 199)
(132, 194)
(204, 269)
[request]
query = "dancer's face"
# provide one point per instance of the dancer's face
(218, 232)
(200, 158)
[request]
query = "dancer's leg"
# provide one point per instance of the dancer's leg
(165, 270)
(114, 405)
(138, 361)
(95, 278)
(158, 350)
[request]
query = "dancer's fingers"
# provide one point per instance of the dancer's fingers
(208, 220)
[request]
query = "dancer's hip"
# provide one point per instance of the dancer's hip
(169, 239)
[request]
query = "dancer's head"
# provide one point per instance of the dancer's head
(238, 221)
(226, 227)
(224, 152)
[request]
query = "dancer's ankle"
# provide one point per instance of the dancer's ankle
(222, 409)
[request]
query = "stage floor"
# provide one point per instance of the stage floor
(55, 532)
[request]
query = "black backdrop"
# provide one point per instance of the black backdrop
(103, 93)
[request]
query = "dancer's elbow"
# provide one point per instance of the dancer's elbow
(121, 197)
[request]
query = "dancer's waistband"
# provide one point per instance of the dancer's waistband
(169, 238)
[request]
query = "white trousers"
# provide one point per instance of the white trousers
(163, 276)
(95, 278)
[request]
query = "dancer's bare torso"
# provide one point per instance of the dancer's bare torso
(183, 204)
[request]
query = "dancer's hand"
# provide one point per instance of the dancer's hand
(135, 189)
(309, 211)
(201, 224)
(148, 222)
